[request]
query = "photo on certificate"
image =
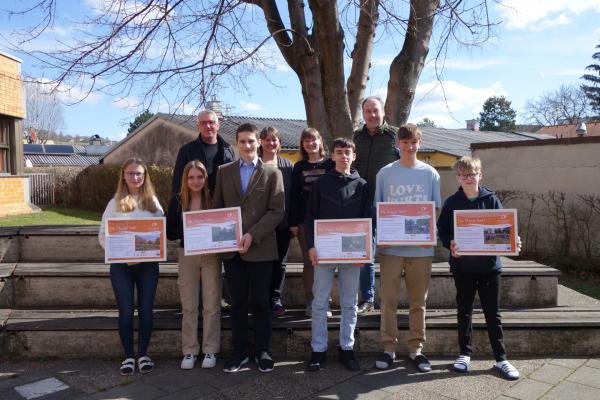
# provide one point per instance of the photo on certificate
(406, 224)
(486, 232)
(212, 231)
(135, 240)
(343, 241)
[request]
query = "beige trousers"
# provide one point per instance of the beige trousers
(417, 273)
(205, 268)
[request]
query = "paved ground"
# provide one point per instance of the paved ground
(558, 378)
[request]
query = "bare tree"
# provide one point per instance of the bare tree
(188, 50)
(44, 111)
(567, 105)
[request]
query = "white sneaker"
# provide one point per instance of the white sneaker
(506, 370)
(210, 360)
(329, 314)
(188, 361)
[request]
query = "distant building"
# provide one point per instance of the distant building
(67, 155)
(159, 139)
(570, 130)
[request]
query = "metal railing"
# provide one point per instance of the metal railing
(41, 189)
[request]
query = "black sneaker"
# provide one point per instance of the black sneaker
(364, 307)
(421, 363)
(317, 361)
(385, 360)
(234, 363)
(265, 362)
(347, 358)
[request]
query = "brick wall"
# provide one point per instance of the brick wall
(11, 94)
(12, 196)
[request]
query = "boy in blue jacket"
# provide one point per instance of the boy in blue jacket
(474, 273)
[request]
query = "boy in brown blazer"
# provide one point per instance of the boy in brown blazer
(257, 189)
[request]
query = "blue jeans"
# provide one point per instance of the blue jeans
(124, 278)
(367, 280)
(348, 276)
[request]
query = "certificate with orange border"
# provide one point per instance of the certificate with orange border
(486, 232)
(344, 241)
(212, 231)
(135, 240)
(406, 223)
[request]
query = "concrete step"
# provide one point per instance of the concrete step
(568, 329)
(47, 243)
(86, 285)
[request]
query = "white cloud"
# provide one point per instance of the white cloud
(381, 61)
(246, 106)
(570, 72)
(433, 96)
(471, 64)
(127, 102)
(541, 14)
(440, 120)
(70, 94)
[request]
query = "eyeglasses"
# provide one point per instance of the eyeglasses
(135, 174)
(468, 176)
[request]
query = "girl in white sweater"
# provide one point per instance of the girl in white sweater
(135, 198)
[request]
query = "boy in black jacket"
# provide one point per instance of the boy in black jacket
(340, 194)
(474, 273)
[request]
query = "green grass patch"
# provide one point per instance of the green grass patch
(588, 285)
(54, 216)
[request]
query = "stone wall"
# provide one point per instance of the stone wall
(555, 186)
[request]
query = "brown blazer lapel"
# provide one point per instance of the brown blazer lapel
(236, 180)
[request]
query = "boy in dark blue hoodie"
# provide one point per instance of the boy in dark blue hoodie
(474, 273)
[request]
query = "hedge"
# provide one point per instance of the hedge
(96, 185)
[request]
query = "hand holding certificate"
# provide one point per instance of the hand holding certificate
(347, 241)
(135, 240)
(406, 223)
(486, 232)
(212, 231)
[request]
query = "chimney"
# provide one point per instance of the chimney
(473, 124)
(581, 129)
(95, 140)
(215, 105)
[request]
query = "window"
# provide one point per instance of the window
(4, 131)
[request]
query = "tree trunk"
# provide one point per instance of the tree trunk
(361, 57)
(408, 64)
(330, 36)
(301, 53)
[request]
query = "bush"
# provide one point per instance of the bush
(96, 185)
(63, 179)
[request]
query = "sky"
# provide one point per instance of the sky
(538, 46)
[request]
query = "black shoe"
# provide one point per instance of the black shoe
(384, 361)
(421, 363)
(234, 363)
(317, 361)
(364, 307)
(347, 358)
(265, 362)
